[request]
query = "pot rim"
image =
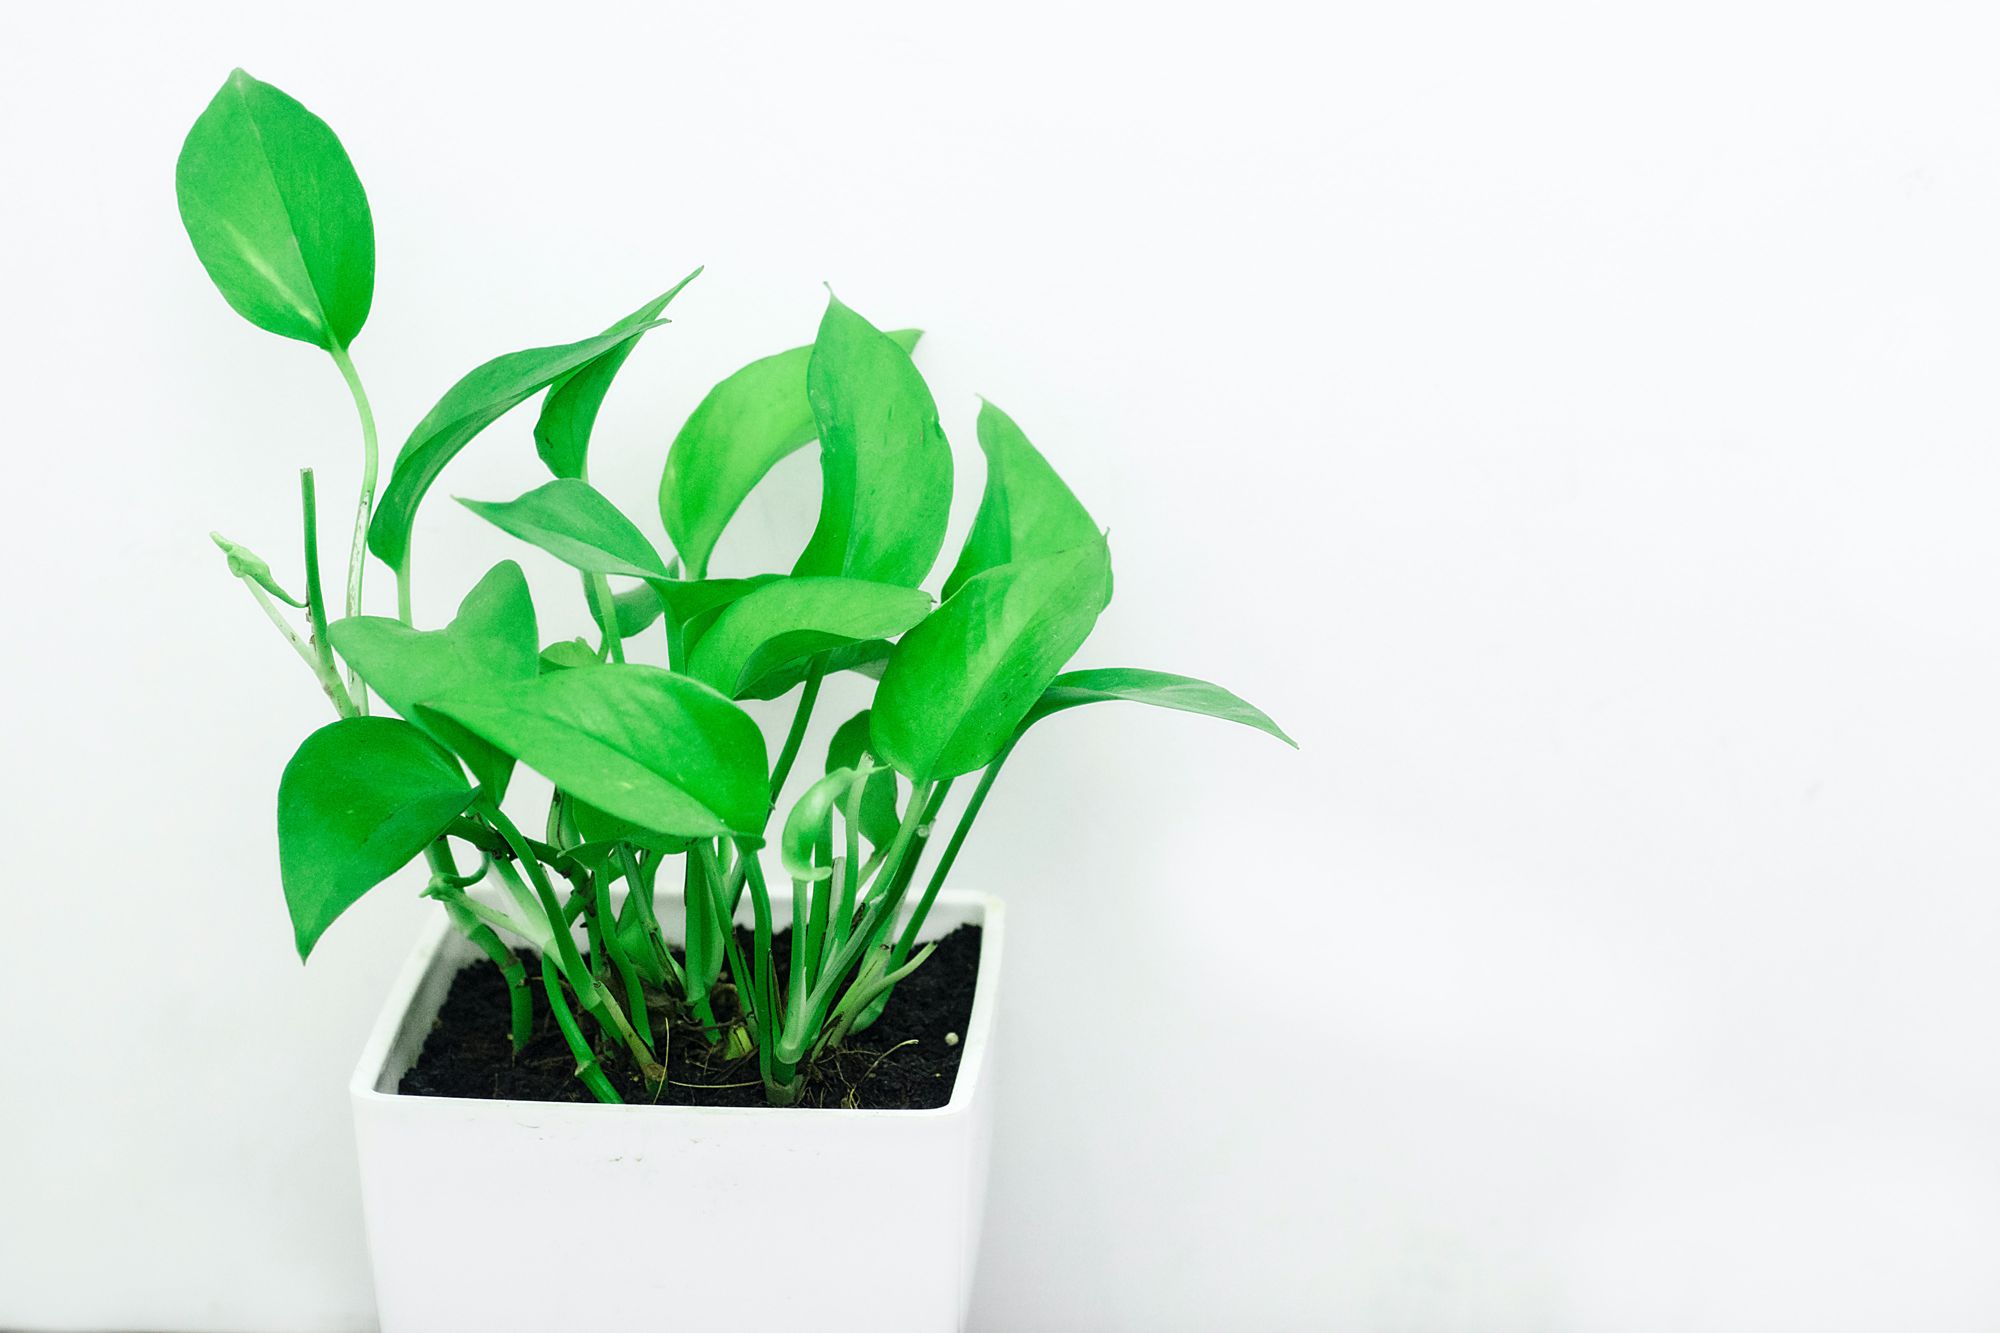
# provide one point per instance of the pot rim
(983, 909)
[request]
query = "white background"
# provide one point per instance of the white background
(1577, 426)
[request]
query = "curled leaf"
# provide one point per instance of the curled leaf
(245, 563)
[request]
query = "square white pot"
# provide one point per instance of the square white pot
(544, 1217)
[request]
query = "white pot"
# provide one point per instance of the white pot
(545, 1217)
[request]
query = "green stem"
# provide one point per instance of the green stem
(364, 508)
(746, 997)
(639, 891)
(796, 736)
(403, 590)
(522, 1013)
(875, 919)
(284, 627)
(703, 947)
(621, 963)
(592, 998)
(908, 939)
(612, 649)
(587, 1067)
(329, 676)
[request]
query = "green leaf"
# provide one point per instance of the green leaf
(574, 523)
(693, 604)
(360, 799)
(1161, 689)
(866, 656)
(636, 608)
(599, 830)
(885, 468)
(568, 655)
(810, 825)
(647, 746)
(787, 622)
(849, 746)
(478, 400)
(690, 599)
(277, 215)
(637, 942)
(569, 413)
(245, 563)
(959, 684)
(1026, 510)
(492, 638)
(736, 435)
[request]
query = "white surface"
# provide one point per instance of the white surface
(449, 1183)
(1577, 425)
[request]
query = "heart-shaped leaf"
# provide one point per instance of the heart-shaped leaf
(788, 621)
(959, 684)
(478, 400)
(359, 800)
(277, 215)
(736, 435)
(885, 467)
(492, 638)
(574, 523)
(1026, 510)
(1161, 689)
(569, 413)
(656, 749)
(879, 816)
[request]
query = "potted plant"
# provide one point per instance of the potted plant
(674, 1105)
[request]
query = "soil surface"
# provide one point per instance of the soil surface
(902, 1062)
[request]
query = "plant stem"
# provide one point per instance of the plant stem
(336, 693)
(639, 892)
(793, 738)
(621, 962)
(908, 939)
(876, 917)
(364, 508)
(329, 675)
(612, 649)
(746, 996)
(522, 1015)
(403, 590)
(587, 1067)
(703, 947)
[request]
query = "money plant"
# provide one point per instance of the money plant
(658, 773)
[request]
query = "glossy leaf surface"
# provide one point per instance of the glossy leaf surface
(641, 744)
(737, 434)
(849, 746)
(277, 215)
(959, 684)
(885, 467)
(574, 523)
(569, 413)
(358, 801)
(1026, 509)
(478, 400)
(491, 639)
(788, 621)
(1161, 689)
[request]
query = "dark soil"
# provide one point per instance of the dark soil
(902, 1062)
